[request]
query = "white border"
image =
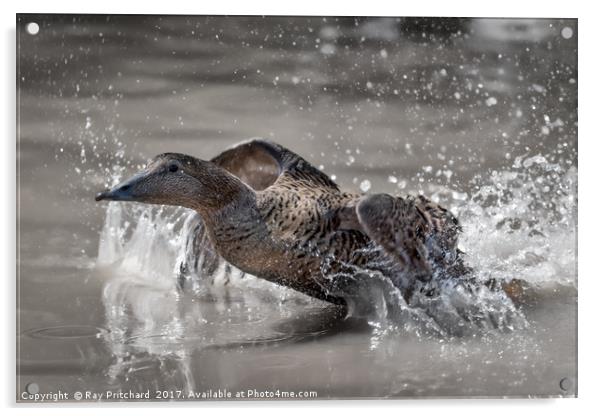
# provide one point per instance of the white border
(590, 175)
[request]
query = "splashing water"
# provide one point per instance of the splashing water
(523, 224)
(142, 241)
(519, 224)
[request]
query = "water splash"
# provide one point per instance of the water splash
(142, 241)
(518, 224)
(522, 224)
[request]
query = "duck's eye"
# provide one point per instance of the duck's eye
(173, 167)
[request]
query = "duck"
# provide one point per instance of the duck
(270, 213)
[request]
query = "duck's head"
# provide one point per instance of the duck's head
(177, 179)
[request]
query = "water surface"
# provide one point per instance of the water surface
(479, 115)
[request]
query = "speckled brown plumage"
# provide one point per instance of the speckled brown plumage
(299, 230)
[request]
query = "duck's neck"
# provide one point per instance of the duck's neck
(229, 211)
(223, 197)
(216, 190)
(236, 224)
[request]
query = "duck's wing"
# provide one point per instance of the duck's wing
(422, 237)
(261, 163)
(418, 233)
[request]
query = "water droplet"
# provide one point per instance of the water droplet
(365, 185)
(328, 49)
(491, 101)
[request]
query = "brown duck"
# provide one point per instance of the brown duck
(268, 212)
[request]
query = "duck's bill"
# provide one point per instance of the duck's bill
(113, 195)
(125, 191)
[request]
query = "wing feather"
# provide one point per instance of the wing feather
(261, 163)
(416, 232)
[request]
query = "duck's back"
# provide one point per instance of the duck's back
(307, 225)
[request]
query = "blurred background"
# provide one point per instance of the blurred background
(447, 107)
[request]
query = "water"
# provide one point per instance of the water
(483, 121)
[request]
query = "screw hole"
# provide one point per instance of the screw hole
(32, 388)
(32, 28)
(566, 384)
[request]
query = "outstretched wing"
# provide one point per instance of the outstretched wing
(418, 233)
(261, 163)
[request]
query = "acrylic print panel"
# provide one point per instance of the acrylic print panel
(335, 269)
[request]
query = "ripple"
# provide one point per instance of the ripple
(67, 332)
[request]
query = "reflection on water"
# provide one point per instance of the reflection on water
(148, 324)
(477, 114)
(150, 319)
